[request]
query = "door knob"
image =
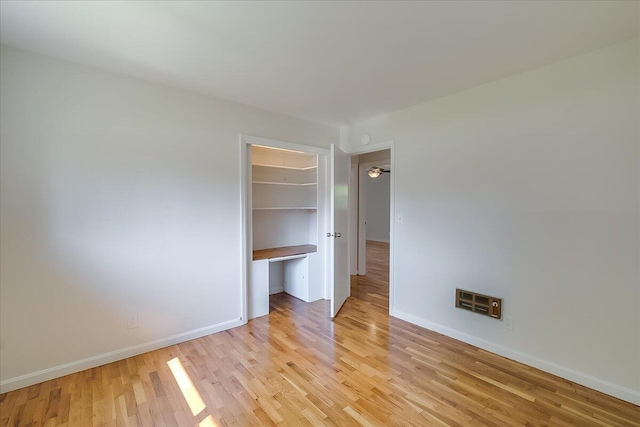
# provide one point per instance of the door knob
(329, 235)
(338, 234)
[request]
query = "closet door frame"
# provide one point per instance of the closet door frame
(246, 204)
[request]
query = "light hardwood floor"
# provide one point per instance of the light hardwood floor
(374, 286)
(296, 367)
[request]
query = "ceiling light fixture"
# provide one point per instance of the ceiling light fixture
(376, 171)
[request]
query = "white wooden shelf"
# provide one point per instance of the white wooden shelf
(306, 168)
(280, 208)
(305, 184)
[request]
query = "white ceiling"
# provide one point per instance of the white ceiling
(331, 62)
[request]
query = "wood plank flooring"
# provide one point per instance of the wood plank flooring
(295, 367)
(374, 286)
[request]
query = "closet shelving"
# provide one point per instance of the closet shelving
(284, 180)
(285, 227)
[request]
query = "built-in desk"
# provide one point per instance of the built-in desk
(284, 269)
(283, 252)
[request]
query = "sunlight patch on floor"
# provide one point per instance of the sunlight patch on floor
(208, 422)
(191, 395)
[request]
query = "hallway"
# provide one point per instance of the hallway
(374, 286)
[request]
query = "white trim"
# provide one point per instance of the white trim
(246, 215)
(286, 258)
(586, 380)
(264, 165)
(362, 226)
(288, 208)
(378, 146)
(353, 218)
(392, 226)
(277, 290)
(112, 356)
(265, 142)
(378, 240)
(306, 184)
(328, 258)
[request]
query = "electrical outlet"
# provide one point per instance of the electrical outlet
(132, 321)
(508, 322)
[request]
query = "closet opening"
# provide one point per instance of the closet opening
(285, 210)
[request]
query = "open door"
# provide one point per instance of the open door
(338, 224)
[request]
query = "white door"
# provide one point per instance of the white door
(338, 229)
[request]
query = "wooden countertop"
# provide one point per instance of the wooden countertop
(283, 251)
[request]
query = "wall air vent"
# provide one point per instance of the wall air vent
(478, 303)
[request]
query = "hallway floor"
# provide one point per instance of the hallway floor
(373, 287)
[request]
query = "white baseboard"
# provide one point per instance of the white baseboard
(378, 240)
(112, 356)
(624, 393)
(276, 290)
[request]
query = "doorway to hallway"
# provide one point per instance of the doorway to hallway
(371, 226)
(373, 287)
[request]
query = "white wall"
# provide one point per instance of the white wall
(118, 196)
(377, 209)
(528, 189)
(272, 229)
(381, 156)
